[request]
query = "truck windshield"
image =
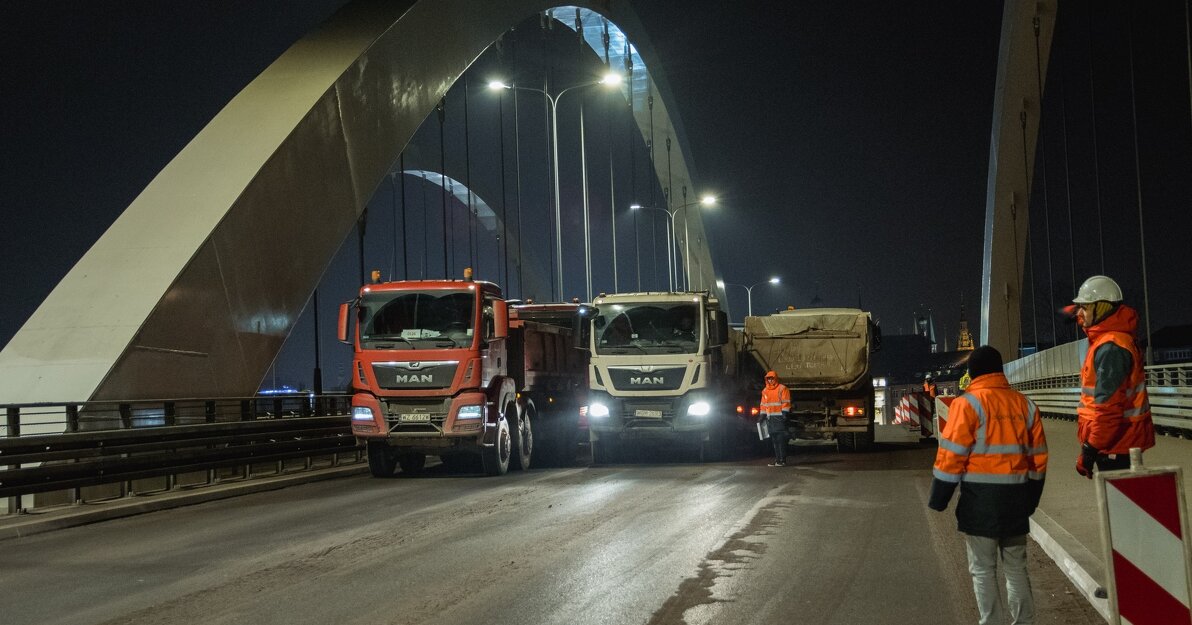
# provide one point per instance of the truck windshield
(651, 328)
(416, 320)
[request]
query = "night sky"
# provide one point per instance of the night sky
(848, 143)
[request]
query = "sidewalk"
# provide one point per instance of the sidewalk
(1068, 524)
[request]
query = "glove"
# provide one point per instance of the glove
(1088, 457)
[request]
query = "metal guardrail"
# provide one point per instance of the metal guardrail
(1052, 379)
(69, 446)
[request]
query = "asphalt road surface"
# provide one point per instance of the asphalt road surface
(832, 539)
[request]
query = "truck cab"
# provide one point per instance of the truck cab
(658, 372)
(430, 375)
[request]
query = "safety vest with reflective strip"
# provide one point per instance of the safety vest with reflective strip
(994, 435)
(1124, 420)
(776, 400)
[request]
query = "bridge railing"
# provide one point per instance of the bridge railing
(1052, 379)
(71, 452)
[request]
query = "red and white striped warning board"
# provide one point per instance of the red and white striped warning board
(914, 412)
(1147, 546)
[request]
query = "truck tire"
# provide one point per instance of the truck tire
(495, 459)
(846, 442)
(523, 440)
(605, 451)
(863, 441)
(382, 459)
(411, 464)
(716, 448)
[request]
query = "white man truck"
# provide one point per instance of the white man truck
(822, 356)
(660, 372)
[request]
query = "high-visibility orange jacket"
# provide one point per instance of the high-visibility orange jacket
(1114, 411)
(930, 389)
(994, 448)
(776, 398)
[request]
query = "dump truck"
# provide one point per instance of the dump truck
(822, 356)
(661, 373)
(448, 368)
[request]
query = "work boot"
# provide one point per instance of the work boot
(777, 463)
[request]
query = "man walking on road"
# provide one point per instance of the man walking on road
(1114, 412)
(994, 448)
(776, 402)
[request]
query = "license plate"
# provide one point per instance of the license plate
(647, 413)
(416, 417)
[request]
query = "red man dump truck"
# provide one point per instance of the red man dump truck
(448, 368)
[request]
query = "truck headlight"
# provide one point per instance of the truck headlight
(699, 409)
(362, 413)
(597, 410)
(468, 412)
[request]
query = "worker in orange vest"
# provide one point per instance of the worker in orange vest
(929, 386)
(993, 447)
(1114, 412)
(775, 405)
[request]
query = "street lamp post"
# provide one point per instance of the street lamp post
(707, 200)
(749, 290)
(670, 238)
(672, 247)
(610, 79)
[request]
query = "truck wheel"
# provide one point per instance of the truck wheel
(495, 459)
(382, 459)
(523, 441)
(863, 441)
(846, 441)
(604, 451)
(411, 463)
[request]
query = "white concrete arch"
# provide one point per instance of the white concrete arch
(194, 288)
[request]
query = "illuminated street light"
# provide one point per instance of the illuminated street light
(671, 247)
(749, 290)
(609, 79)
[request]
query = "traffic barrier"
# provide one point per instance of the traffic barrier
(914, 413)
(1144, 534)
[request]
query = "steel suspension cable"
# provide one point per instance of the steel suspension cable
(1096, 159)
(1146, 300)
(1042, 154)
(1030, 248)
(447, 268)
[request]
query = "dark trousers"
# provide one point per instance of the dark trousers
(777, 425)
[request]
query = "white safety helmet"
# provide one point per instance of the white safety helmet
(1098, 289)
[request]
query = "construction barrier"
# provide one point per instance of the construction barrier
(914, 412)
(1144, 534)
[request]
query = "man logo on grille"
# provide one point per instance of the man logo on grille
(413, 377)
(657, 379)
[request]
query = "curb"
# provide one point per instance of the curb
(1073, 558)
(28, 524)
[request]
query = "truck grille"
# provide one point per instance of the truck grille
(659, 379)
(415, 375)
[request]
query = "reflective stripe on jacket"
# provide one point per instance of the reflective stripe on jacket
(1113, 424)
(994, 448)
(776, 399)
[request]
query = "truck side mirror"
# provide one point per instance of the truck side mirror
(875, 341)
(717, 328)
(581, 328)
(342, 327)
(500, 319)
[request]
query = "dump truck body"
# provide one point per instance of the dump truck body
(822, 356)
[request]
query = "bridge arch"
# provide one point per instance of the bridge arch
(182, 297)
